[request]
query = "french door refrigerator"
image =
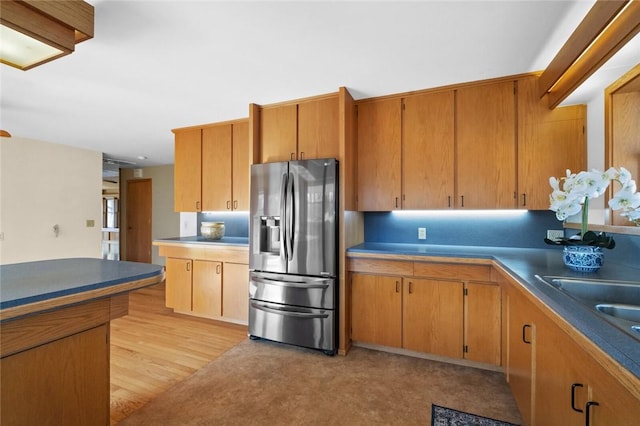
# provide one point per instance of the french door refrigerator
(292, 253)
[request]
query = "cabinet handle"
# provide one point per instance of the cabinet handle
(524, 337)
(462, 201)
(397, 286)
(197, 206)
(235, 204)
(573, 396)
(228, 205)
(524, 200)
(302, 155)
(396, 202)
(188, 266)
(293, 156)
(587, 417)
(449, 201)
(410, 287)
(218, 269)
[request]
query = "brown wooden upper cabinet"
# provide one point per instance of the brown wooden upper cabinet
(485, 145)
(406, 143)
(380, 155)
(549, 143)
(300, 130)
(187, 170)
(211, 171)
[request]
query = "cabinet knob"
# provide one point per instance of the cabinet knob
(587, 417)
(573, 396)
(524, 334)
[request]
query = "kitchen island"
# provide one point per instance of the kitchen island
(54, 330)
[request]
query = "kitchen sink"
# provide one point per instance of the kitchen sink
(599, 291)
(618, 302)
(625, 312)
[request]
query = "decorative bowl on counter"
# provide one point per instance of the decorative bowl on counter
(212, 230)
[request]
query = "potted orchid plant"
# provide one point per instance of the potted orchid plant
(571, 195)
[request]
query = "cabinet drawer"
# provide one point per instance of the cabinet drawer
(452, 271)
(219, 253)
(377, 266)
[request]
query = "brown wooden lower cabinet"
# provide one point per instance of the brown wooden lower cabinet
(554, 380)
(447, 317)
(209, 281)
(64, 382)
(377, 309)
(432, 317)
(208, 289)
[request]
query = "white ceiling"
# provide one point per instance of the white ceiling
(157, 65)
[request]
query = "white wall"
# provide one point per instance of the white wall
(44, 184)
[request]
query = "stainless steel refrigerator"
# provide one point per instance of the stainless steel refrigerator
(292, 253)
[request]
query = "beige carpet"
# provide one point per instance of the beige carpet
(264, 383)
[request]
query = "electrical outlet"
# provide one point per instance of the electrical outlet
(422, 233)
(555, 234)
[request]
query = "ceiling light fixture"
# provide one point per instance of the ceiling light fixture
(35, 32)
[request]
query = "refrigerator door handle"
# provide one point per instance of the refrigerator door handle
(290, 215)
(283, 214)
(287, 313)
(293, 284)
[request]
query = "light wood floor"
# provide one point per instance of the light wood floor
(152, 349)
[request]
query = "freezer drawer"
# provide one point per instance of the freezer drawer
(315, 292)
(312, 328)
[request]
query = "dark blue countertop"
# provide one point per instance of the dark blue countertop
(524, 264)
(197, 239)
(29, 282)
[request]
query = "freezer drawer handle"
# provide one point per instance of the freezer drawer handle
(288, 313)
(289, 283)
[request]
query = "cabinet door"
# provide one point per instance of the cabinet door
(376, 315)
(241, 167)
(560, 363)
(625, 145)
(522, 346)
(207, 288)
(188, 170)
(428, 138)
(216, 168)
(67, 382)
(549, 143)
(432, 317)
(486, 147)
(178, 284)
(278, 133)
(379, 155)
(235, 292)
(318, 129)
(482, 325)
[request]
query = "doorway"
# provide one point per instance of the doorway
(138, 214)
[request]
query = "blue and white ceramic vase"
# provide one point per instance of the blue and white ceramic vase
(583, 258)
